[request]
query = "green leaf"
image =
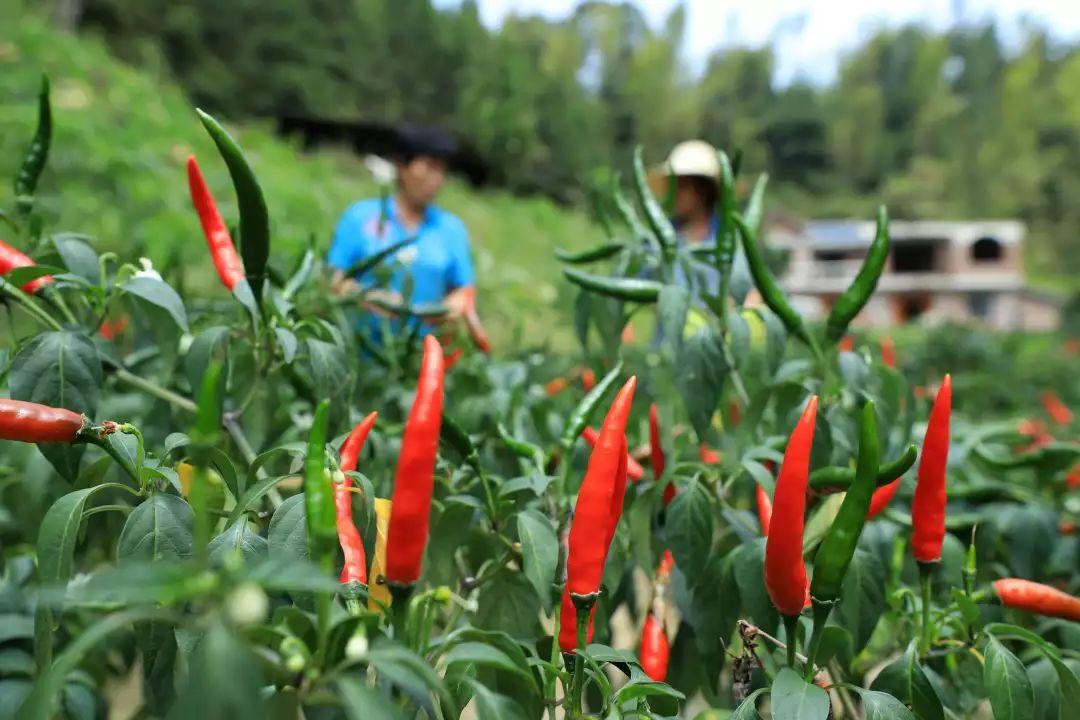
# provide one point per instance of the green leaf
(539, 551)
(366, 703)
(1007, 683)
(671, 309)
(688, 530)
(747, 709)
(795, 699)
(882, 706)
(287, 537)
(411, 674)
(862, 598)
(906, 680)
(78, 256)
(61, 369)
(492, 705)
(208, 345)
(158, 529)
(224, 680)
(478, 653)
(159, 294)
(508, 603)
(15, 626)
(701, 378)
(58, 534)
(237, 539)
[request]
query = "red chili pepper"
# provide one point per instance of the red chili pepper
(707, 455)
(1067, 527)
(734, 412)
(414, 479)
(596, 514)
(764, 510)
(881, 498)
(656, 448)
(633, 468)
(663, 570)
(928, 507)
(34, 423)
(10, 258)
(846, 344)
(111, 328)
(655, 649)
(1072, 480)
(352, 546)
(1037, 598)
(785, 570)
(452, 358)
(888, 352)
(1057, 410)
(588, 379)
(555, 386)
(230, 268)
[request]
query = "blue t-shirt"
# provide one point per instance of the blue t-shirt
(437, 262)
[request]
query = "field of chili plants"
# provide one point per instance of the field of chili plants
(237, 505)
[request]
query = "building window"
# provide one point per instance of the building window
(986, 249)
(979, 304)
(913, 256)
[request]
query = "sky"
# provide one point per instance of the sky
(810, 37)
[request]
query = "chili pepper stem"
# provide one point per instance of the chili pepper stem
(583, 610)
(29, 305)
(821, 616)
(150, 388)
(926, 576)
(791, 627)
(120, 460)
(552, 683)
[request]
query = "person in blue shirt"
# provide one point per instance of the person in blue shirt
(436, 267)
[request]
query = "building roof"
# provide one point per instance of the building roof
(856, 234)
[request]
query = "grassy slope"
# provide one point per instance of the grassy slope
(116, 172)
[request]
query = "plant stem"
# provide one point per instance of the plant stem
(926, 576)
(553, 684)
(29, 305)
(791, 626)
(821, 616)
(579, 659)
(178, 401)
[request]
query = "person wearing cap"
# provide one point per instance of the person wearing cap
(695, 169)
(436, 266)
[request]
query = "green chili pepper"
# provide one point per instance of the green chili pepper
(599, 252)
(836, 550)
(853, 299)
(206, 431)
(654, 214)
(620, 288)
(524, 450)
(755, 206)
(34, 162)
(770, 290)
(838, 479)
(254, 217)
(360, 267)
(318, 493)
(725, 228)
(584, 411)
(455, 436)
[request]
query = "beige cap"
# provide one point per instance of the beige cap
(693, 157)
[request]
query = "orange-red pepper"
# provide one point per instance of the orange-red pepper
(655, 649)
(785, 570)
(230, 268)
(1058, 411)
(352, 545)
(707, 455)
(35, 423)
(888, 352)
(588, 379)
(10, 258)
(596, 514)
(764, 510)
(928, 507)
(414, 479)
(1037, 598)
(634, 471)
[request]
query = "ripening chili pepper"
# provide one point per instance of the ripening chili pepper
(378, 593)
(655, 649)
(414, 478)
(227, 262)
(663, 569)
(1057, 410)
(556, 386)
(928, 507)
(474, 326)
(888, 352)
(596, 514)
(852, 300)
(1037, 598)
(656, 447)
(734, 412)
(10, 258)
(764, 509)
(34, 423)
(319, 510)
(670, 491)
(634, 471)
(452, 358)
(846, 344)
(588, 379)
(352, 545)
(785, 571)
(110, 329)
(838, 547)
(707, 455)
(1067, 527)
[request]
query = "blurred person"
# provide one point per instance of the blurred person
(436, 266)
